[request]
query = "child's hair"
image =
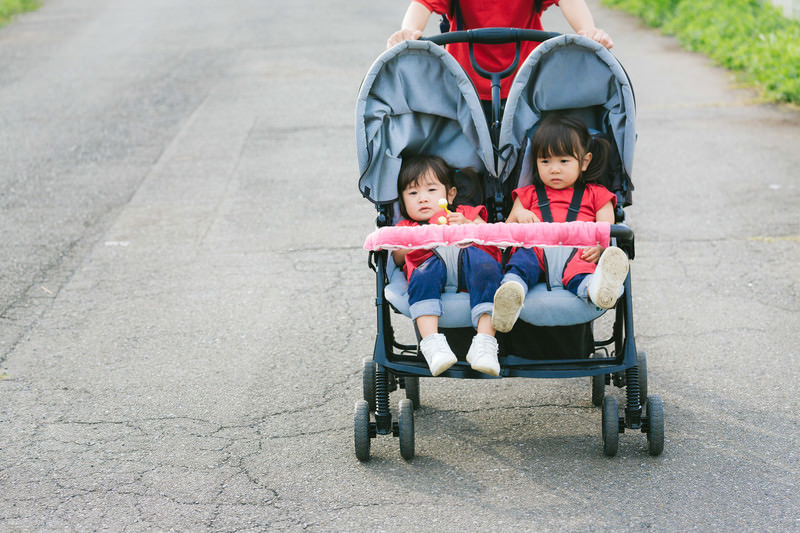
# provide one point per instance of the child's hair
(560, 134)
(414, 167)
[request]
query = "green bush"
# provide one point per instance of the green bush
(9, 8)
(653, 12)
(748, 36)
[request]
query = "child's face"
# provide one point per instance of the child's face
(561, 171)
(421, 199)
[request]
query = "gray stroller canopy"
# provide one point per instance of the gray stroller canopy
(575, 73)
(416, 99)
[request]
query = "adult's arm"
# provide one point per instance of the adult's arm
(414, 22)
(577, 14)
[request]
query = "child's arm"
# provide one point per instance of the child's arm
(520, 214)
(604, 214)
(459, 218)
(399, 257)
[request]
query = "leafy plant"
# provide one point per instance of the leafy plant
(9, 8)
(749, 36)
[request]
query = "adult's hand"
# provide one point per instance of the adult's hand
(402, 35)
(414, 22)
(596, 34)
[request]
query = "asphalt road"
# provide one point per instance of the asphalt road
(185, 303)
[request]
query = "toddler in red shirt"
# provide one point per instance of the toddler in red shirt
(422, 183)
(568, 162)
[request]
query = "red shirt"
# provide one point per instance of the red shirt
(491, 14)
(594, 197)
(414, 258)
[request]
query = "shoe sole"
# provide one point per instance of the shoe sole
(613, 267)
(490, 370)
(507, 305)
(441, 367)
(485, 368)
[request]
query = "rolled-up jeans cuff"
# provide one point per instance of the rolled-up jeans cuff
(481, 309)
(426, 307)
(510, 276)
(583, 288)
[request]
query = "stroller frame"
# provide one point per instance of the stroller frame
(395, 365)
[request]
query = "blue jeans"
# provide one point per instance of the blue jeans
(479, 274)
(524, 268)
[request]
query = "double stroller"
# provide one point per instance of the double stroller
(416, 99)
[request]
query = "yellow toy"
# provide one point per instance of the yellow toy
(443, 205)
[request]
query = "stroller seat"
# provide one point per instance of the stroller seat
(555, 306)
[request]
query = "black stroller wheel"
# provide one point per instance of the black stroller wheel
(654, 411)
(641, 362)
(610, 426)
(405, 426)
(411, 384)
(598, 389)
(361, 430)
(368, 382)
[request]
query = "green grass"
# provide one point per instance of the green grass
(9, 8)
(750, 37)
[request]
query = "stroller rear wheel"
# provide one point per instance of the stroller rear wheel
(641, 362)
(405, 429)
(598, 389)
(368, 382)
(610, 426)
(654, 411)
(361, 430)
(411, 384)
(599, 383)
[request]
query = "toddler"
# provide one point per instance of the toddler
(568, 162)
(422, 183)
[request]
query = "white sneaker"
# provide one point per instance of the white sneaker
(482, 355)
(437, 353)
(605, 287)
(508, 300)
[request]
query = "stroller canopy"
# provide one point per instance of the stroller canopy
(416, 99)
(575, 73)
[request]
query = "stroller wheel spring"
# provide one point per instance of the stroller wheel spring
(633, 407)
(383, 416)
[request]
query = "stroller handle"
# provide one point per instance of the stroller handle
(491, 36)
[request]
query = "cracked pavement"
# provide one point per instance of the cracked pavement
(185, 302)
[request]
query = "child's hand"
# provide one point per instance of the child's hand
(592, 254)
(522, 216)
(457, 218)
